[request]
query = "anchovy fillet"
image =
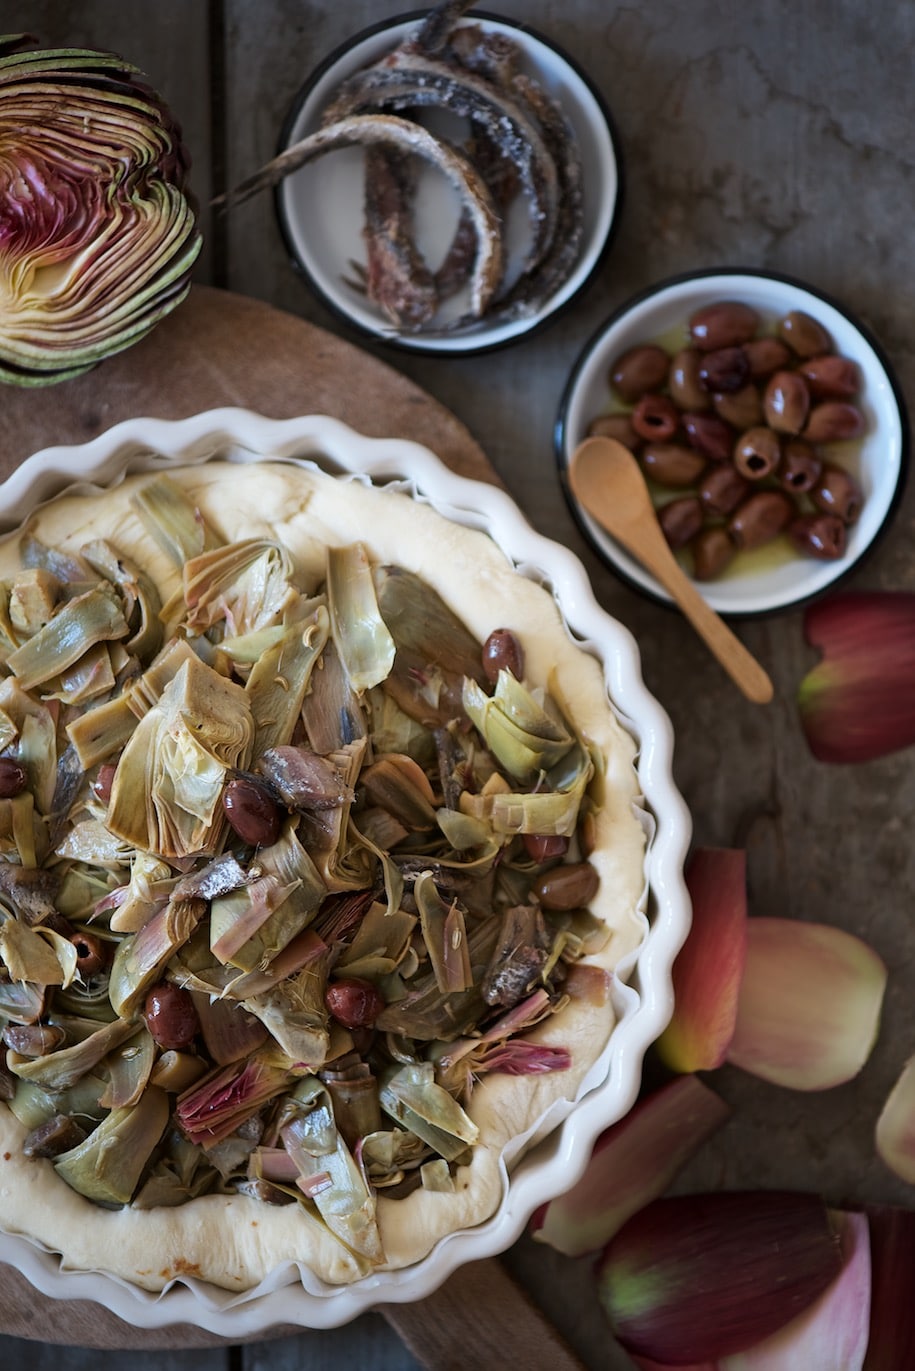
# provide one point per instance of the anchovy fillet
(408, 80)
(371, 129)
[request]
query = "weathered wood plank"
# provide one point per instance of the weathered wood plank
(368, 1344)
(21, 1354)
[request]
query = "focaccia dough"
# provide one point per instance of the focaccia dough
(235, 1241)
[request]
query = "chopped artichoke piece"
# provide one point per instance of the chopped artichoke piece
(27, 956)
(295, 1015)
(173, 520)
(107, 1167)
(246, 584)
(129, 1070)
(362, 639)
(411, 1096)
(102, 731)
(33, 598)
(141, 598)
(435, 651)
(141, 957)
(329, 1176)
(59, 1070)
(95, 616)
(168, 785)
(518, 731)
(445, 936)
(279, 681)
(332, 713)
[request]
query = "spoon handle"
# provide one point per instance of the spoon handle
(743, 668)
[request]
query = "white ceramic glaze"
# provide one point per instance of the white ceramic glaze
(320, 206)
(881, 458)
(644, 1002)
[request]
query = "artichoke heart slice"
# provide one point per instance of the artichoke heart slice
(247, 584)
(166, 793)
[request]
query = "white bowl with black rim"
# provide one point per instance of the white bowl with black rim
(774, 577)
(320, 206)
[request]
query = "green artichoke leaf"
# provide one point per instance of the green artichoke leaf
(61, 1069)
(107, 1167)
(280, 679)
(360, 634)
(411, 1096)
(172, 519)
(95, 616)
(331, 1178)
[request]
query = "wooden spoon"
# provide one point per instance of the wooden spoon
(608, 482)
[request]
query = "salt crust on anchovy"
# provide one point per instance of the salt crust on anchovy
(235, 1241)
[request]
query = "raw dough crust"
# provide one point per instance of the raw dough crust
(235, 1241)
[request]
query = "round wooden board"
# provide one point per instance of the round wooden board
(221, 349)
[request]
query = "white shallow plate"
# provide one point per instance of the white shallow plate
(882, 459)
(643, 1003)
(320, 206)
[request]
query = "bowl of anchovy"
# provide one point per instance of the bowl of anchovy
(473, 187)
(340, 879)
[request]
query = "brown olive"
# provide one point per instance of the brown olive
(800, 467)
(713, 549)
(761, 518)
(683, 380)
(354, 1002)
(639, 370)
(757, 453)
(567, 887)
(742, 408)
(709, 435)
(834, 421)
(544, 847)
(171, 1016)
(251, 812)
(766, 355)
(725, 369)
(831, 377)
(805, 335)
(721, 489)
(502, 651)
(818, 535)
(837, 492)
(672, 464)
(618, 426)
(13, 778)
(101, 786)
(786, 402)
(681, 520)
(656, 418)
(722, 325)
(92, 955)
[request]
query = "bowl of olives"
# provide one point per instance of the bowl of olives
(767, 422)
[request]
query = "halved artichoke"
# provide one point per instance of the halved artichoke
(97, 233)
